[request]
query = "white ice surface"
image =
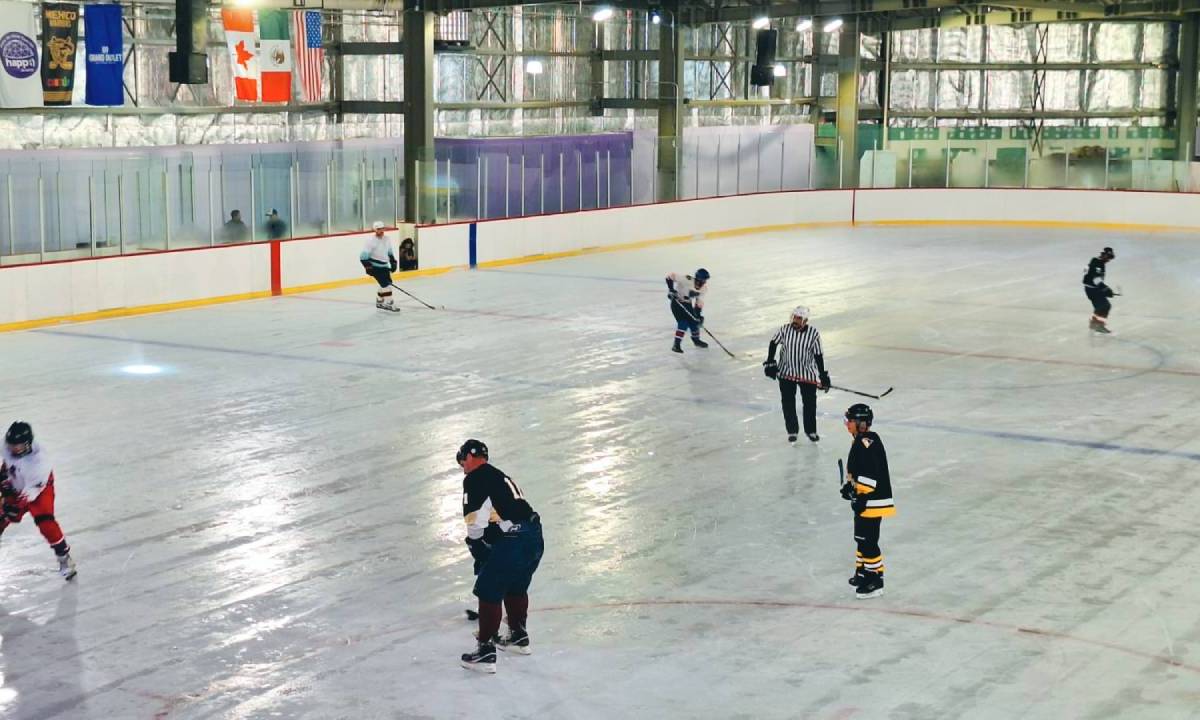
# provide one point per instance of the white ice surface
(271, 528)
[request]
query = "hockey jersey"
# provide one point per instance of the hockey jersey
(868, 469)
(492, 498)
(685, 285)
(29, 474)
(377, 251)
(1094, 276)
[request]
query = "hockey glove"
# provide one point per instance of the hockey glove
(847, 491)
(771, 369)
(392, 263)
(13, 513)
(1108, 292)
(480, 551)
(825, 381)
(368, 268)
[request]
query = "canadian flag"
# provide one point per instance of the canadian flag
(243, 51)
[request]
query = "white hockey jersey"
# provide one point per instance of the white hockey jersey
(378, 251)
(29, 474)
(689, 294)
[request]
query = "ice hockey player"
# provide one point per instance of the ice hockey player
(801, 364)
(686, 293)
(379, 261)
(504, 536)
(1097, 291)
(27, 486)
(868, 487)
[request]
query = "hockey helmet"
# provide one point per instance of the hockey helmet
(19, 433)
(801, 311)
(1109, 252)
(859, 412)
(701, 276)
(472, 448)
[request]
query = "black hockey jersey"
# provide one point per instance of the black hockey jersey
(868, 468)
(1094, 277)
(491, 497)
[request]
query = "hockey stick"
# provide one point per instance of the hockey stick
(414, 297)
(856, 392)
(841, 473)
(714, 337)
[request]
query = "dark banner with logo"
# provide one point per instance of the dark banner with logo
(60, 34)
(105, 55)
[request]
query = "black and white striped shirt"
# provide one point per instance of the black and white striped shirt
(798, 353)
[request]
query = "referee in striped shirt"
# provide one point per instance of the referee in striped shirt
(801, 364)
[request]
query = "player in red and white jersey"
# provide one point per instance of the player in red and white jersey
(27, 486)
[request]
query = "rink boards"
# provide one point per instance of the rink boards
(94, 288)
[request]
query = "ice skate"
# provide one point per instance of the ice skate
(813, 436)
(66, 567)
(1098, 326)
(677, 347)
(387, 305)
(482, 660)
(517, 641)
(792, 438)
(699, 343)
(871, 585)
(857, 578)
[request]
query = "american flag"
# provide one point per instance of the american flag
(310, 56)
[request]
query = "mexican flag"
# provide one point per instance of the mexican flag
(275, 55)
(243, 51)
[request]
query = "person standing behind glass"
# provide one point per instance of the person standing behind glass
(408, 255)
(235, 231)
(276, 227)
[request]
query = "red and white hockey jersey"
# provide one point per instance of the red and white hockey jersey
(29, 474)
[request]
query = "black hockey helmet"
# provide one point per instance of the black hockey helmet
(19, 433)
(702, 276)
(859, 412)
(474, 448)
(1109, 252)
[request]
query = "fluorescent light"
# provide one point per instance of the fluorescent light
(141, 369)
(533, 67)
(833, 24)
(803, 25)
(761, 23)
(602, 14)
(780, 71)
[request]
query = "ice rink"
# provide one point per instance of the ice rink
(270, 527)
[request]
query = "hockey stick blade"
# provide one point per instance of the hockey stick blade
(415, 298)
(472, 615)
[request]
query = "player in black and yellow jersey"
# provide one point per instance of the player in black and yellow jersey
(504, 536)
(868, 487)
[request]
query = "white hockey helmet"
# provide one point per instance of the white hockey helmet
(801, 311)
(377, 226)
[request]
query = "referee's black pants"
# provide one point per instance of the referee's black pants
(808, 397)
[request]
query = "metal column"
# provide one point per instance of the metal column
(847, 100)
(670, 105)
(419, 170)
(1185, 108)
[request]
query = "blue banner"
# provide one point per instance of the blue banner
(105, 54)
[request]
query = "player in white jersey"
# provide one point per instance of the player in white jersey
(686, 293)
(379, 261)
(27, 486)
